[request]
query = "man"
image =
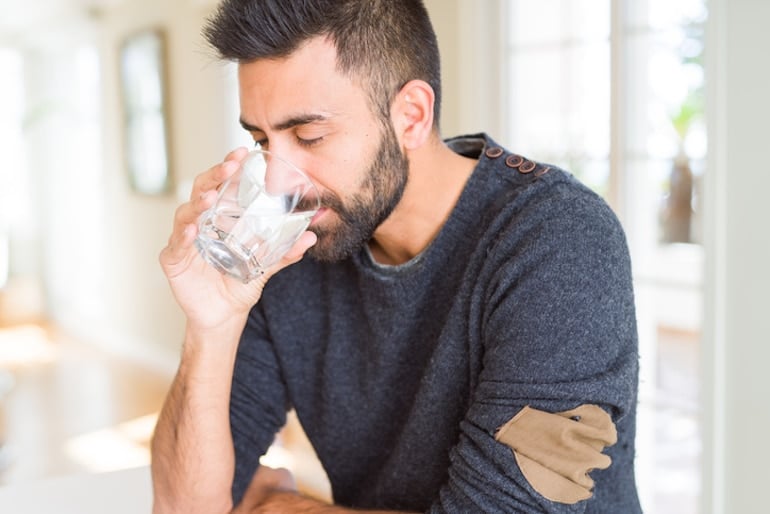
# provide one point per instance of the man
(460, 336)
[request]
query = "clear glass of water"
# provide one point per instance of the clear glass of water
(259, 214)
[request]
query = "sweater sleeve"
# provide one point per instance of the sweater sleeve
(258, 401)
(550, 424)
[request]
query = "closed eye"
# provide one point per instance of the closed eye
(309, 142)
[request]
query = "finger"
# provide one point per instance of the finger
(285, 480)
(295, 254)
(214, 176)
(238, 154)
(191, 211)
(306, 241)
(204, 189)
(275, 478)
(211, 179)
(179, 245)
(265, 481)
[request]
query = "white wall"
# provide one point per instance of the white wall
(736, 380)
(471, 69)
(113, 293)
(140, 305)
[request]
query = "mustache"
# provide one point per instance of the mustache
(327, 199)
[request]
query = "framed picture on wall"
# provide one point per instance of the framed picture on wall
(144, 92)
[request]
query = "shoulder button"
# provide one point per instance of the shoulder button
(494, 152)
(514, 161)
(527, 167)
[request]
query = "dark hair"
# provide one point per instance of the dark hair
(383, 43)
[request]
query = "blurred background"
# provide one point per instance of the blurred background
(109, 108)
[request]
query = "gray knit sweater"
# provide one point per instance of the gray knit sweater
(402, 375)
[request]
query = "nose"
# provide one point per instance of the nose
(284, 179)
(281, 176)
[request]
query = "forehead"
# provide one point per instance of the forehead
(317, 55)
(308, 80)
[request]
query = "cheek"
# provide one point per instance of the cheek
(333, 172)
(344, 168)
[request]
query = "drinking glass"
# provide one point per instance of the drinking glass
(259, 213)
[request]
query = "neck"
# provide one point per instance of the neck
(437, 177)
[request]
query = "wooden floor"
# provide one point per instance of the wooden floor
(69, 407)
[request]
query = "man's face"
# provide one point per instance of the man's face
(360, 214)
(303, 109)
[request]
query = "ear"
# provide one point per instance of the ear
(412, 113)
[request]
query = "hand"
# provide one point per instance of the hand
(266, 482)
(207, 297)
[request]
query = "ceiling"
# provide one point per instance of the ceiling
(20, 17)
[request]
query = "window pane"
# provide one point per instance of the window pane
(559, 109)
(659, 14)
(662, 82)
(554, 21)
(534, 22)
(594, 173)
(16, 216)
(536, 117)
(664, 155)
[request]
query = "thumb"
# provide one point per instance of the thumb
(307, 240)
(304, 243)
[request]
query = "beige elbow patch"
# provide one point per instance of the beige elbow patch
(556, 451)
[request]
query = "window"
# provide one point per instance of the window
(16, 217)
(52, 210)
(559, 84)
(612, 90)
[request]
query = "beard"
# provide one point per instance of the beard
(359, 217)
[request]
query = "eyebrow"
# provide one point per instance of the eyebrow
(294, 121)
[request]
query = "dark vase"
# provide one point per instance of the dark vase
(677, 212)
